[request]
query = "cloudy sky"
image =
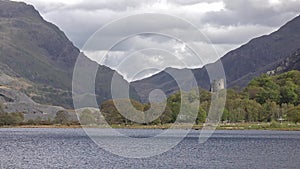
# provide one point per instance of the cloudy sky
(226, 24)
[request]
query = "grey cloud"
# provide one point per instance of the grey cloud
(87, 5)
(82, 19)
(45, 7)
(253, 12)
(172, 27)
(150, 61)
(80, 25)
(192, 2)
(115, 5)
(236, 34)
(237, 23)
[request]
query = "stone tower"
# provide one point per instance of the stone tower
(217, 85)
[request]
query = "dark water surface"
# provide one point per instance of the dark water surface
(72, 148)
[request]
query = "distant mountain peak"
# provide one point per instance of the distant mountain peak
(13, 9)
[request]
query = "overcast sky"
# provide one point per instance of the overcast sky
(226, 23)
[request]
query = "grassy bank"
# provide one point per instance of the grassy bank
(42, 126)
(260, 126)
(227, 126)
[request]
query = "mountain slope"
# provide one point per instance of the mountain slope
(40, 52)
(12, 100)
(30, 42)
(292, 62)
(241, 65)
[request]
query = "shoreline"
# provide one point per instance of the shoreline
(232, 126)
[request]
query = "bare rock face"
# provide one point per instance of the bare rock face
(13, 96)
(15, 101)
(292, 62)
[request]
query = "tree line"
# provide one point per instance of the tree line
(14, 119)
(265, 99)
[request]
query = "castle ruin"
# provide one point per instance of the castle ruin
(217, 85)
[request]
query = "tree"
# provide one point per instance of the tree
(204, 95)
(251, 110)
(62, 117)
(225, 115)
(236, 113)
(201, 118)
(267, 94)
(11, 118)
(265, 89)
(167, 116)
(284, 110)
(252, 91)
(87, 118)
(174, 103)
(288, 93)
(294, 114)
(125, 110)
(271, 111)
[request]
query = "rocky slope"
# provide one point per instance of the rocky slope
(292, 62)
(12, 100)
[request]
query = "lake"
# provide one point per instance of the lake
(72, 148)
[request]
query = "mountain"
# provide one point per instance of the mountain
(252, 59)
(40, 59)
(40, 53)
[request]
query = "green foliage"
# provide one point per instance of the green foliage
(39, 121)
(112, 114)
(167, 116)
(266, 99)
(87, 117)
(174, 102)
(274, 124)
(62, 117)
(201, 118)
(11, 118)
(283, 88)
(266, 89)
(270, 112)
(170, 110)
(294, 114)
(91, 117)
(288, 93)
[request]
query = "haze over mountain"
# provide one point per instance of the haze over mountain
(258, 56)
(40, 53)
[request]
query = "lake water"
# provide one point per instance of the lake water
(72, 148)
